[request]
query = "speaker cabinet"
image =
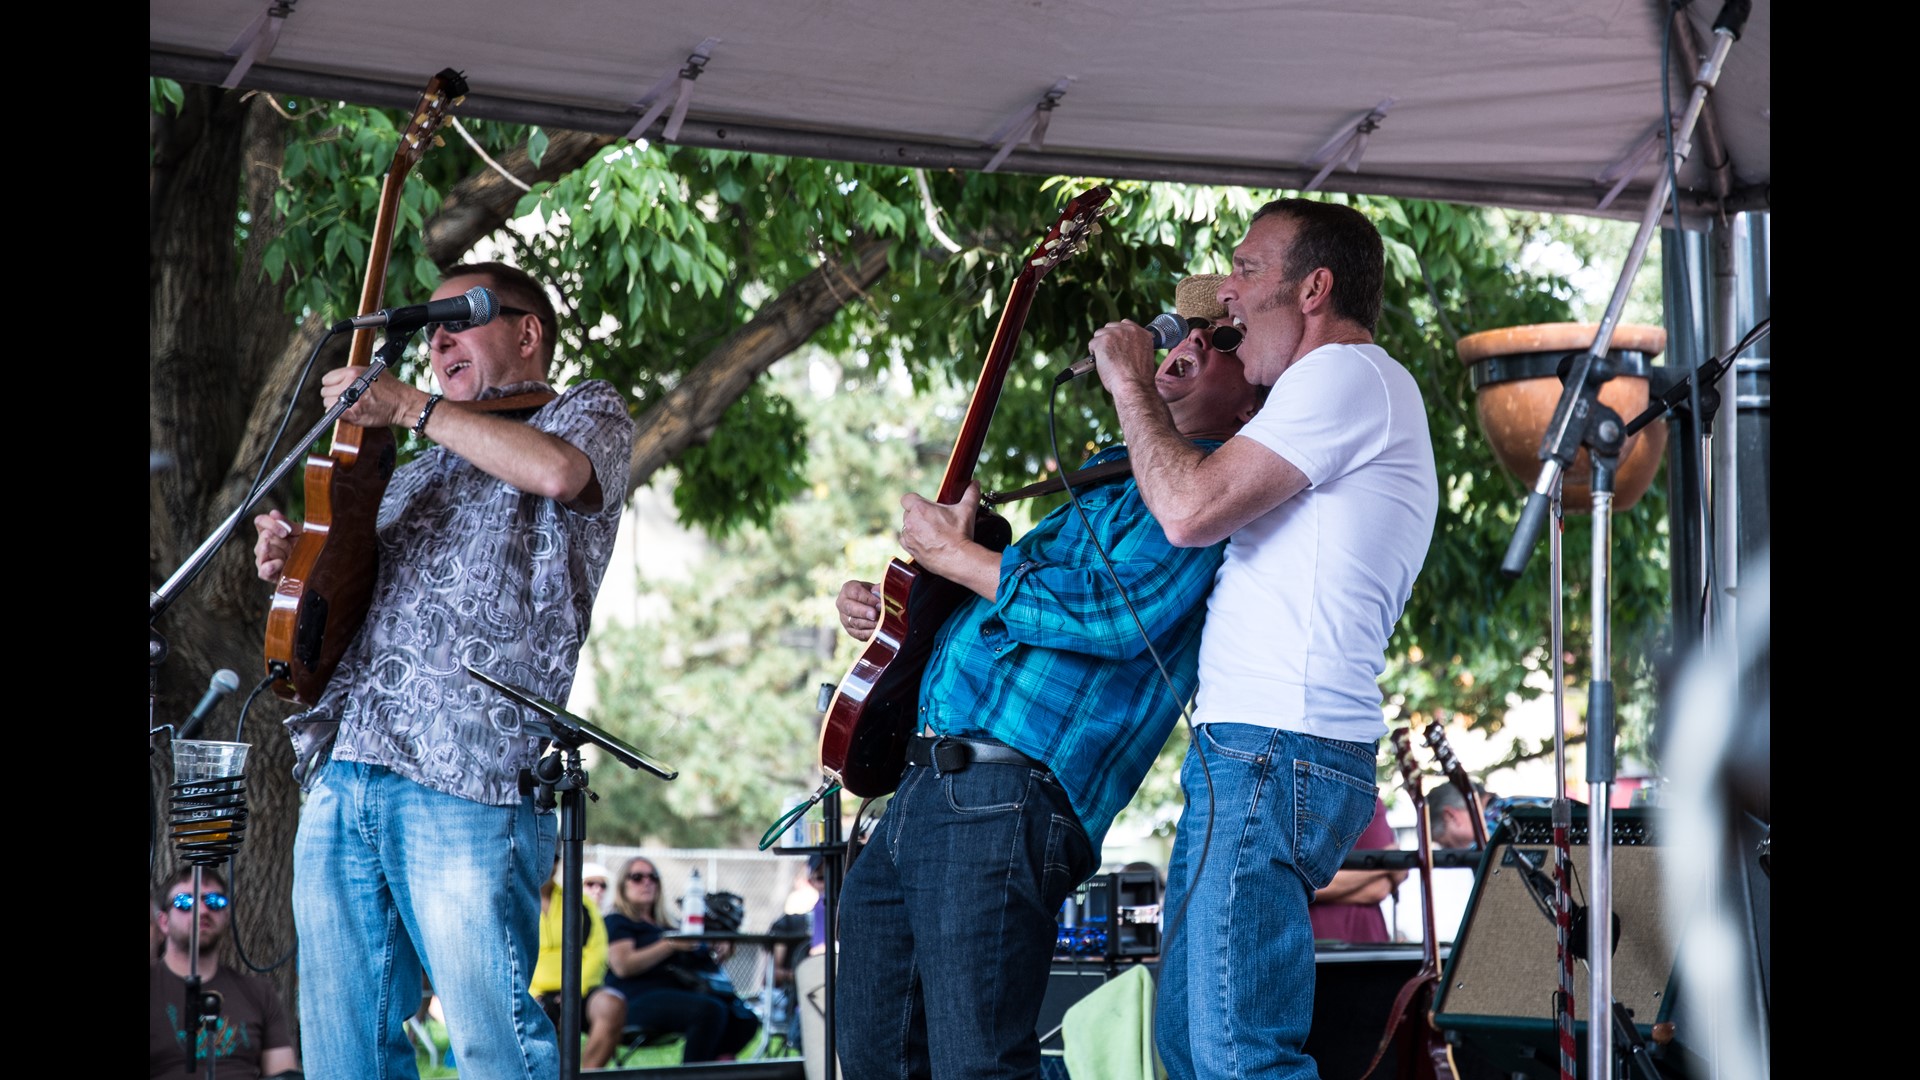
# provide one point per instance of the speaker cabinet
(1500, 979)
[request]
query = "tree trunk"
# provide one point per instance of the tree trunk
(209, 318)
(224, 355)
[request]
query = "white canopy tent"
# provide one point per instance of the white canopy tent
(1539, 104)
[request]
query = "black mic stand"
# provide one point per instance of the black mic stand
(1581, 420)
(560, 770)
(160, 599)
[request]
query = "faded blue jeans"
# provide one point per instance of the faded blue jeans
(1236, 975)
(389, 875)
(947, 925)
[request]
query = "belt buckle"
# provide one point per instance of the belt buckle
(949, 755)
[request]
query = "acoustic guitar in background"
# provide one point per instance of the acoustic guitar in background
(326, 586)
(863, 740)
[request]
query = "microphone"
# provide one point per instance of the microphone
(224, 682)
(1168, 330)
(476, 306)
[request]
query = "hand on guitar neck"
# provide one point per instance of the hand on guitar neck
(939, 536)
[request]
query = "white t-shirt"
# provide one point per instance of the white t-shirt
(1301, 610)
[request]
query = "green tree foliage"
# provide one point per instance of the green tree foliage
(667, 257)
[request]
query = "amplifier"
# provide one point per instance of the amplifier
(1111, 916)
(1498, 986)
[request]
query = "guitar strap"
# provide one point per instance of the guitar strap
(1099, 474)
(527, 402)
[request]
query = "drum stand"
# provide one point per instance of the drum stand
(1580, 420)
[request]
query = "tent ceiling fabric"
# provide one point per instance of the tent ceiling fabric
(1522, 103)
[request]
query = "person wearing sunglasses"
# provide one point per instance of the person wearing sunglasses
(1329, 496)
(251, 1037)
(664, 978)
(492, 543)
(1043, 704)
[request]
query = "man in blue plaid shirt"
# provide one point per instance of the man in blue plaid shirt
(1045, 700)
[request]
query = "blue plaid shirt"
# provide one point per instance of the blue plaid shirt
(1056, 667)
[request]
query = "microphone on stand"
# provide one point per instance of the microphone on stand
(476, 306)
(224, 682)
(1168, 330)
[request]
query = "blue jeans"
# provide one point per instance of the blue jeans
(947, 925)
(392, 879)
(1236, 974)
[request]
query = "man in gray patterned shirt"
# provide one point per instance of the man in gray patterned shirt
(416, 852)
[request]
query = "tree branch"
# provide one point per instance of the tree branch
(687, 415)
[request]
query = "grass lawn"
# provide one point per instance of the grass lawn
(647, 1057)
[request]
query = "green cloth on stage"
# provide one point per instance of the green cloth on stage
(1109, 1033)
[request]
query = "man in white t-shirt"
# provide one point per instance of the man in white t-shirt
(1329, 497)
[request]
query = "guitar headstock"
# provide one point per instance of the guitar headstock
(1436, 735)
(1456, 773)
(443, 92)
(1409, 769)
(1078, 223)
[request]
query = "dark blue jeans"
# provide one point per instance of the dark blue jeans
(947, 925)
(712, 1026)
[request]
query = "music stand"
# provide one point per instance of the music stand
(560, 771)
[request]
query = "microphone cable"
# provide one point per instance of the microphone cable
(1186, 708)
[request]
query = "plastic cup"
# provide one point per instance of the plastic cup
(208, 759)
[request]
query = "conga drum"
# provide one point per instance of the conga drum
(1516, 387)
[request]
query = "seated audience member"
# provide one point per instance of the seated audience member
(251, 1036)
(593, 879)
(605, 1011)
(665, 978)
(1348, 908)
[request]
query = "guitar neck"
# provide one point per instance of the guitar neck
(986, 393)
(1410, 779)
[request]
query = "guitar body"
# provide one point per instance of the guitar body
(1417, 1050)
(327, 585)
(874, 711)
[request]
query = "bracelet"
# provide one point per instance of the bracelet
(420, 425)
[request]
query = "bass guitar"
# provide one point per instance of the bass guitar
(863, 739)
(327, 584)
(1415, 1046)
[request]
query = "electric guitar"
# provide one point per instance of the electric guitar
(863, 740)
(1417, 1048)
(326, 586)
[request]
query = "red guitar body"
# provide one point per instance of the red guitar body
(863, 740)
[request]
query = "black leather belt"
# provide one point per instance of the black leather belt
(948, 753)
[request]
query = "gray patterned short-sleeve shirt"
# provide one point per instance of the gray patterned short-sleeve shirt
(473, 571)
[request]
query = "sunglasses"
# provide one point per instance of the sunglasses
(461, 326)
(184, 901)
(1220, 338)
(644, 876)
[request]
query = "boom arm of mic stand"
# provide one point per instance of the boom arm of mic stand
(162, 598)
(1560, 442)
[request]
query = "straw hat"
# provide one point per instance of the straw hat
(1196, 297)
